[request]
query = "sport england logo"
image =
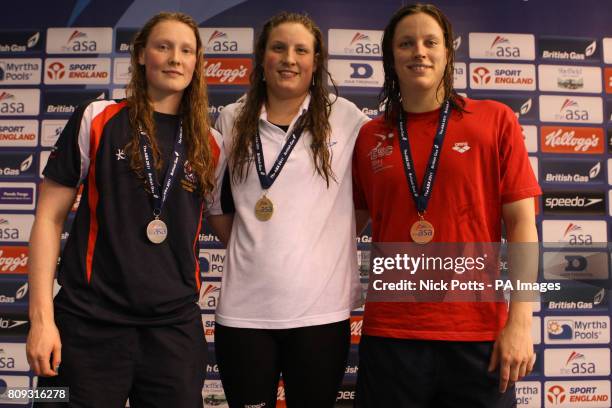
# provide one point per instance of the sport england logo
(18, 133)
(226, 40)
(566, 394)
(362, 43)
(518, 77)
(75, 71)
(502, 46)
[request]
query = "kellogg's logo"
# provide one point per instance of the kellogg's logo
(227, 71)
(14, 259)
(560, 139)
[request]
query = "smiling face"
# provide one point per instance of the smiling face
(289, 61)
(169, 58)
(420, 55)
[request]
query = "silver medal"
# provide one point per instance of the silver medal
(157, 231)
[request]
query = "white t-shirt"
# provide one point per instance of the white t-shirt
(300, 267)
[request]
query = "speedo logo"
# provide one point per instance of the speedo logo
(572, 202)
(575, 202)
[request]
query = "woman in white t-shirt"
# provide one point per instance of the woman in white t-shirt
(290, 278)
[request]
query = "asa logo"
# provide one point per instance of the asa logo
(9, 105)
(235, 40)
(79, 40)
(574, 233)
(583, 109)
(13, 357)
(577, 362)
(363, 45)
(209, 295)
(220, 43)
(366, 43)
(502, 46)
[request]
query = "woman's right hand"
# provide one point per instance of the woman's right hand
(44, 349)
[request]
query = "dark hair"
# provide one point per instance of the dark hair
(317, 117)
(193, 109)
(390, 94)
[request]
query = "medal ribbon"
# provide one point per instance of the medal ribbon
(421, 199)
(159, 198)
(267, 179)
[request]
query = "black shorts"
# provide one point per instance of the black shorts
(312, 360)
(105, 364)
(402, 373)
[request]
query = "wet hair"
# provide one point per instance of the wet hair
(316, 118)
(390, 95)
(193, 109)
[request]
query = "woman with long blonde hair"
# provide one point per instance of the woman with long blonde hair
(126, 323)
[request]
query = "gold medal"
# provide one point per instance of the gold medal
(264, 209)
(422, 231)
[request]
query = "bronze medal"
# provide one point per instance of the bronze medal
(422, 232)
(264, 209)
(157, 231)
